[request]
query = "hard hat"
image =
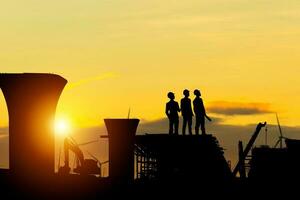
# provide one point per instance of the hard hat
(171, 95)
(186, 92)
(197, 92)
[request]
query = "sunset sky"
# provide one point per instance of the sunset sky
(243, 55)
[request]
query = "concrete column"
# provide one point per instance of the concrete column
(31, 101)
(121, 136)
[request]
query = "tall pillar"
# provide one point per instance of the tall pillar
(121, 136)
(31, 100)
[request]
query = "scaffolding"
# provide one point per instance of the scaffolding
(179, 157)
(146, 165)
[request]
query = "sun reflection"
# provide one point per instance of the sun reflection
(62, 127)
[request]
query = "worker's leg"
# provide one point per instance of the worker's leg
(171, 123)
(184, 125)
(176, 124)
(202, 122)
(197, 125)
(190, 121)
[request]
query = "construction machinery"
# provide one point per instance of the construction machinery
(83, 166)
(280, 162)
(240, 167)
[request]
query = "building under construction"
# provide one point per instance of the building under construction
(140, 166)
(190, 157)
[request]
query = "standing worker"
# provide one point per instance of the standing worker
(186, 112)
(200, 113)
(172, 109)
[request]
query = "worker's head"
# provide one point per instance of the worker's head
(186, 93)
(171, 95)
(197, 93)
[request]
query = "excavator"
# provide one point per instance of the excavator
(83, 166)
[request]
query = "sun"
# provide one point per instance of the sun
(62, 127)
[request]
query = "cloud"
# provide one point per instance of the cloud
(189, 20)
(238, 108)
(103, 76)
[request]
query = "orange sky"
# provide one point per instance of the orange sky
(130, 53)
(116, 55)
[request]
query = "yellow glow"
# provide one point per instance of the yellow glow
(131, 53)
(62, 127)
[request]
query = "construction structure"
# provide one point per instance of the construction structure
(31, 100)
(243, 161)
(261, 164)
(121, 138)
(149, 164)
(269, 163)
(179, 157)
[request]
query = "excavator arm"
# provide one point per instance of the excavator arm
(69, 145)
(84, 166)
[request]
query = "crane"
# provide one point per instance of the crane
(243, 153)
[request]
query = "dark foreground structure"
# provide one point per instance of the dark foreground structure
(150, 166)
(179, 157)
(31, 101)
(162, 165)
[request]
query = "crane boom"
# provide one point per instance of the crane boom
(248, 147)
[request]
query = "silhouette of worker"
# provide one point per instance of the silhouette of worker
(200, 113)
(186, 111)
(172, 109)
